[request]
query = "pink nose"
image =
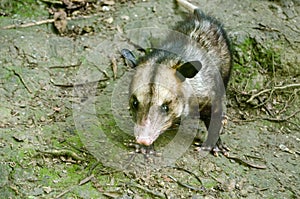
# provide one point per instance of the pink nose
(144, 141)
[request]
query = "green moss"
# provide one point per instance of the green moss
(253, 55)
(255, 64)
(24, 8)
(209, 184)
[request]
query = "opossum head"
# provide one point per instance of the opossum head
(158, 95)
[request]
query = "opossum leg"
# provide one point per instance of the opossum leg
(220, 147)
(212, 115)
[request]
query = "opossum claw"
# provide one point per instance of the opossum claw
(219, 147)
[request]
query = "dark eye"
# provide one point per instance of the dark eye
(135, 103)
(165, 108)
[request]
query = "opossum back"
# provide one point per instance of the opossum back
(212, 41)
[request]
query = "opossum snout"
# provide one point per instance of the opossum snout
(144, 140)
(146, 133)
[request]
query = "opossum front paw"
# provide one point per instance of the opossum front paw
(147, 151)
(220, 147)
(215, 150)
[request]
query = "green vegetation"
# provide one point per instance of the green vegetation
(22, 8)
(254, 65)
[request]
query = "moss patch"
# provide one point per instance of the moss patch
(22, 8)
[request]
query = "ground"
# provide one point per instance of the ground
(64, 122)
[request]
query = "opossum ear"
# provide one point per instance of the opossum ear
(189, 69)
(130, 58)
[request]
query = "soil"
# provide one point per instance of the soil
(65, 130)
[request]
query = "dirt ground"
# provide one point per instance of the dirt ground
(64, 124)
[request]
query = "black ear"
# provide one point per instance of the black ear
(189, 69)
(130, 58)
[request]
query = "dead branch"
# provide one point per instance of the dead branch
(114, 67)
(191, 173)
(45, 21)
(272, 90)
(71, 85)
(86, 180)
(66, 66)
(185, 185)
(152, 192)
(281, 119)
(247, 163)
(21, 80)
(278, 120)
(25, 25)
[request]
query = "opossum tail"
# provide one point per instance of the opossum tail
(187, 5)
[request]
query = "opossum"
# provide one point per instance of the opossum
(188, 74)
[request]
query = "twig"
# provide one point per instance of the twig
(246, 120)
(82, 182)
(63, 152)
(148, 190)
(28, 24)
(53, 2)
(93, 167)
(85, 180)
(64, 192)
(76, 85)
(185, 185)
(280, 119)
(269, 118)
(22, 81)
(45, 21)
(244, 162)
(114, 67)
(62, 85)
(68, 66)
(272, 90)
(189, 172)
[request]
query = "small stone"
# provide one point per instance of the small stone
(47, 189)
(105, 8)
(43, 119)
(109, 2)
(125, 17)
(109, 20)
